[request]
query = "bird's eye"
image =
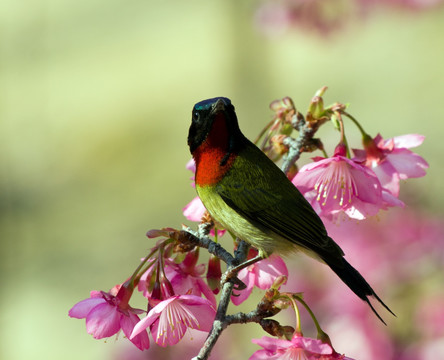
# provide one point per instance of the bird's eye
(196, 116)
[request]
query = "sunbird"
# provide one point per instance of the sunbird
(247, 194)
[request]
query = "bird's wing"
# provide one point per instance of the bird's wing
(265, 197)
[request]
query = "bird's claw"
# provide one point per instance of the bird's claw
(231, 277)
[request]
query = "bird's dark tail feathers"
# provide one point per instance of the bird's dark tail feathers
(355, 281)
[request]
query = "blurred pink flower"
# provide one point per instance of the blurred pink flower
(361, 336)
(170, 319)
(298, 347)
(392, 161)
(429, 315)
(108, 312)
(408, 4)
(194, 210)
(276, 17)
(191, 165)
(261, 274)
(338, 184)
(401, 255)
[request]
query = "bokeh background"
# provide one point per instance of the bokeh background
(95, 102)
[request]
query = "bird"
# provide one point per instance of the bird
(247, 194)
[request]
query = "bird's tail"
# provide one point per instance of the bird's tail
(355, 281)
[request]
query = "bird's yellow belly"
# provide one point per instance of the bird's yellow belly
(267, 242)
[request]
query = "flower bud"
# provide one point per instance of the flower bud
(214, 274)
(321, 91)
(291, 173)
(284, 110)
(271, 326)
(190, 260)
(316, 108)
(340, 149)
(278, 144)
(335, 121)
(279, 281)
(372, 150)
(282, 303)
(153, 233)
(282, 105)
(287, 332)
(286, 128)
(156, 293)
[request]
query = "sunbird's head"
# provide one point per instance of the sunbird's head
(204, 115)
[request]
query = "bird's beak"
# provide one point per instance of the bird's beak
(218, 106)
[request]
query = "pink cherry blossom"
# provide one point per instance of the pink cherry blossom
(194, 210)
(183, 278)
(274, 18)
(261, 274)
(170, 319)
(429, 316)
(187, 278)
(298, 348)
(392, 161)
(108, 312)
(339, 184)
(191, 165)
(156, 289)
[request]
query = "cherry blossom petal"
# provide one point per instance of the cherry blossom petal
(298, 347)
(267, 270)
(82, 308)
(172, 317)
(206, 291)
(191, 165)
(238, 297)
(103, 321)
(127, 324)
(408, 141)
(388, 177)
(312, 345)
(390, 200)
(271, 344)
(407, 163)
(194, 210)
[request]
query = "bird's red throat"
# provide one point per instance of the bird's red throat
(211, 152)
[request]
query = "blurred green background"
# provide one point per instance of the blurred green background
(95, 102)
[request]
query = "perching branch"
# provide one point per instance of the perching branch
(200, 238)
(220, 322)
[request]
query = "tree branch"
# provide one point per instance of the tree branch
(296, 146)
(220, 322)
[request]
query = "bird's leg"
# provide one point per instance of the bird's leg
(245, 264)
(231, 275)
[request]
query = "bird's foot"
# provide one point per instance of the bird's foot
(231, 276)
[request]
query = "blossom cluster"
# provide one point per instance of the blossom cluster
(178, 297)
(177, 300)
(360, 186)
